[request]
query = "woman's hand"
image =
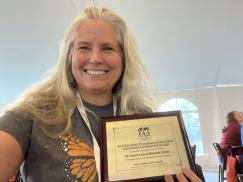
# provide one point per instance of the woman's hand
(184, 175)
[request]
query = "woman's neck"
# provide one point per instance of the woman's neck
(97, 99)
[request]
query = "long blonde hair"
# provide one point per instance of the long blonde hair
(53, 100)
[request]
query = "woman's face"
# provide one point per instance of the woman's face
(238, 117)
(96, 59)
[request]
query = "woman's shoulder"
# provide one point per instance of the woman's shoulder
(233, 126)
(14, 115)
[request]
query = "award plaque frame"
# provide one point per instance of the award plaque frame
(144, 147)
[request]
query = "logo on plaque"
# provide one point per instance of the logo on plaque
(144, 132)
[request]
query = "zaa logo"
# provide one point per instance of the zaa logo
(144, 132)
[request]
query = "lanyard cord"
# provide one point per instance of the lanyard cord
(82, 112)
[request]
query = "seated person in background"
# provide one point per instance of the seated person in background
(231, 139)
(231, 134)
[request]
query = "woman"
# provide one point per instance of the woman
(54, 125)
(231, 134)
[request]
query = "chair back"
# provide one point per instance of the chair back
(222, 154)
(193, 148)
(237, 152)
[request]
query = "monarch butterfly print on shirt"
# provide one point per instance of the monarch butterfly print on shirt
(81, 163)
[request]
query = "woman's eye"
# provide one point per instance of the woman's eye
(84, 48)
(108, 49)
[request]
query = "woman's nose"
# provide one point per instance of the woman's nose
(95, 57)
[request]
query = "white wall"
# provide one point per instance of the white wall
(213, 105)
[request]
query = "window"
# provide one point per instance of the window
(191, 120)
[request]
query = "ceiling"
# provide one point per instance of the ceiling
(185, 44)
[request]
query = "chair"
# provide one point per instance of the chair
(193, 149)
(237, 151)
(222, 156)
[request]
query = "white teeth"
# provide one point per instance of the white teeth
(95, 72)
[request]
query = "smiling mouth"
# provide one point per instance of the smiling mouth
(96, 72)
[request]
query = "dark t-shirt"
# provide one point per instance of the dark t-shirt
(63, 158)
(231, 136)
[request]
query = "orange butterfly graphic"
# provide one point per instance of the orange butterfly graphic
(81, 166)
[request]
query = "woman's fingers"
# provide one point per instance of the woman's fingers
(169, 178)
(180, 176)
(190, 175)
(184, 175)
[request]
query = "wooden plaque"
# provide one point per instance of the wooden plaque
(143, 147)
